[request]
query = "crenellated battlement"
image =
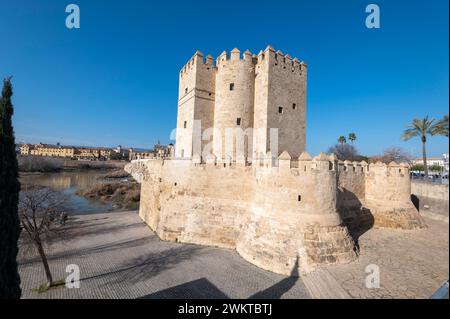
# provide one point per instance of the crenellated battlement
(277, 58)
(241, 89)
(281, 61)
(198, 59)
(235, 55)
(306, 163)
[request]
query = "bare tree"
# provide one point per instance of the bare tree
(393, 154)
(41, 213)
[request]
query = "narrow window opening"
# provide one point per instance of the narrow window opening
(280, 109)
(231, 86)
(294, 106)
(185, 124)
(299, 198)
(238, 121)
(175, 184)
(185, 90)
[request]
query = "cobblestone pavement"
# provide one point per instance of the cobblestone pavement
(412, 264)
(120, 257)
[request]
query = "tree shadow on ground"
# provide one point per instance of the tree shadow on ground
(149, 265)
(118, 245)
(357, 218)
(203, 289)
(83, 229)
(197, 289)
(277, 290)
(74, 232)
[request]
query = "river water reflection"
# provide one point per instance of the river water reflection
(68, 183)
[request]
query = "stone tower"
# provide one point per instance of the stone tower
(195, 103)
(242, 107)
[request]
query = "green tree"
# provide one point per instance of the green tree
(441, 127)
(436, 168)
(420, 128)
(352, 137)
(342, 140)
(9, 196)
(417, 167)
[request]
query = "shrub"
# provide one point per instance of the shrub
(40, 164)
(345, 152)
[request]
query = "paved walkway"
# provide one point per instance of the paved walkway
(412, 264)
(120, 257)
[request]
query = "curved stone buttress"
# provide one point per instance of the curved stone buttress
(275, 217)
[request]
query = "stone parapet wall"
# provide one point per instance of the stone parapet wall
(430, 190)
(277, 213)
(431, 199)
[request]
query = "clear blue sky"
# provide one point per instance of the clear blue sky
(114, 80)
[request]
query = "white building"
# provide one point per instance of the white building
(434, 161)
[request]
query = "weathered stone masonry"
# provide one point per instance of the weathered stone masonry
(279, 210)
(276, 214)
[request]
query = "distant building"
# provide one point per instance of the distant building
(159, 151)
(163, 151)
(121, 153)
(446, 161)
(47, 150)
(58, 150)
(93, 153)
(434, 161)
(24, 149)
(139, 154)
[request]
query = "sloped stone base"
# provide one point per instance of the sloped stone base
(328, 245)
(398, 218)
(307, 249)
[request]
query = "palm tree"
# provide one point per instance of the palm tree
(420, 128)
(352, 137)
(441, 127)
(342, 140)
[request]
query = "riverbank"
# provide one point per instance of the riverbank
(89, 190)
(117, 188)
(30, 164)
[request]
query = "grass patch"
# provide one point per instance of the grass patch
(126, 195)
(46, 287)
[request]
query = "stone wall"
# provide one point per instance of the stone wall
(235, 89)
(287, 101)
(431, 199)
(196, 95)
(274, 217)
(388, 196)
(277, 214)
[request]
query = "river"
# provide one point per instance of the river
(68, 183)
